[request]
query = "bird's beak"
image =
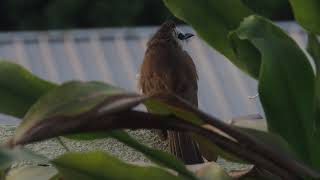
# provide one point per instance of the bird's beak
(186, 36)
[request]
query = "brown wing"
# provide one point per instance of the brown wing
(187, 86)
(169, 70)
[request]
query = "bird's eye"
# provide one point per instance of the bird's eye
(181, 36)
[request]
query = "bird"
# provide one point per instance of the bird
(168, 70)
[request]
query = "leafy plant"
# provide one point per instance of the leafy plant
(288, 86)
(288, 90)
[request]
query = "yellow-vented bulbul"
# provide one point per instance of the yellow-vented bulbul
(168, 69)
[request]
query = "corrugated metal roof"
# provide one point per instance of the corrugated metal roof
(114, 55)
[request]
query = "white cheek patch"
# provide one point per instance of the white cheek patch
(179, 31)
(182, 43)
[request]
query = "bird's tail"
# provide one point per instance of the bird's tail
(184, 148)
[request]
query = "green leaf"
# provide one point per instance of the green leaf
(273, 9)
(286, 85)
(157, 156)
(74, 98)
(92, 121)
(2, 174)
(213, 20)
(32, 172)
(99, 165)
(88, 99)
(10, 156)
(256, 127)
(159, 106)
(313, 48)
(19, 89)
(88, 136)
(254, 173)
(56, 177)
(275, 141)
(210, 150)
(307, 13)
(212, 171)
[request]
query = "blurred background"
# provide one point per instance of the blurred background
(65, 14)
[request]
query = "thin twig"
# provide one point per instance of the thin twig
(59, 139)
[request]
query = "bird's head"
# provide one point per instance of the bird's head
(169, 31)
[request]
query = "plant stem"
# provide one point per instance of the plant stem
(59, 139)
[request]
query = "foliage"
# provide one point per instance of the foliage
(295, 80)
(62, 14)
(306, 12)
(288, 90)
(288, 86)
(273, 9)
(71, 166)
(19, 89)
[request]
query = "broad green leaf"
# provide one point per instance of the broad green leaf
(157, 156)
(210, 150)
(99, 166)
(2, 174)
(56, 177)
(88, 136)
(212, 171)
(213, 20)
(74, 98)
(277, 143)
(313, 48)
(19, 89)
(159, 106)
(307, 13)
(256, 127)
(32, 172)
(286, 85)
(273, 9)
(9, 157)
(254, 173)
